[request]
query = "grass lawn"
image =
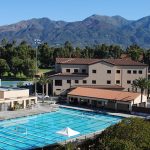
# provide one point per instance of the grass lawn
(41, 71)
(22, 77)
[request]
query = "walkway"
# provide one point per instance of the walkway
(104, 111)
(27, 112)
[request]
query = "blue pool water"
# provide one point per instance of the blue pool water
(40, 130)
(14, 83)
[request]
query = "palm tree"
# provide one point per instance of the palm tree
(44, 80)
(142, 84)
(148, 89)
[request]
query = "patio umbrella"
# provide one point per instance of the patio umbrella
(68, 132)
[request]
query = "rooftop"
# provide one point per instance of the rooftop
(83, 61)
(51, 74)
(112, 87)
(10, 88)
(103, 94)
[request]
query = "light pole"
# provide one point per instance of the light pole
(37, 42)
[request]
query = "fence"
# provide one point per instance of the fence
(141, 109)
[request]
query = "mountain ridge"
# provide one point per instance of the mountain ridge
(95, 29)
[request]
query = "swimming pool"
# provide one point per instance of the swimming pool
(40, 130)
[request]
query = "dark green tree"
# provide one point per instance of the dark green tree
(142, 84)
(134, 52)
(28, 68)
(3, 67)
(45, 55)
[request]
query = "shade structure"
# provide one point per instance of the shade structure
(68, 132)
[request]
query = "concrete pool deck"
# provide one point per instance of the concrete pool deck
(27, 112)
(45, 108)
(107, 112)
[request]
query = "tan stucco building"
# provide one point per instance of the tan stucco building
(9, 97)
(115, 100)
(100, 73)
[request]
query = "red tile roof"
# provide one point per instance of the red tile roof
(124, 62)
(69, 74)
(112, 87)
(104, 94)
(77, 61)
(83, 61)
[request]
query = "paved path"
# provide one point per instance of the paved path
(44, 108)
(107, 112)
(27, 112)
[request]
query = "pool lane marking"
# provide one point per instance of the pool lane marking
(24, 137)
(89, 117)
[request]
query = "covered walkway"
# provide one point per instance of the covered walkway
(108, 99)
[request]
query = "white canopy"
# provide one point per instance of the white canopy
(68, 132)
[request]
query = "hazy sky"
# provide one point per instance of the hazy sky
(12, 11)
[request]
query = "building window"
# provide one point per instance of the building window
(93, 81)
(128, 81)
(75, 70)
(140, 71)
(129, 71)
(58, 89)
(67, 70)
(134, 72)
(76, 81)
(84, 81)
(109, 71)
(58, 82)
(108, 82)
(93, 71)
(118, 71)
(68, 81)
(117, 81)
(83, 71)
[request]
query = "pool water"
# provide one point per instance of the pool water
(40, 130)
(14, 83)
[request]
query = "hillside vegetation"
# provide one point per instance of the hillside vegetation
(93, 30)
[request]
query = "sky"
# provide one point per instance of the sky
(12, 11)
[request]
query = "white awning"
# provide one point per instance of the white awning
(68, 132)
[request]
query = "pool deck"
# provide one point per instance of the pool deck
(106, 112)
(45, 108)
(27, 112)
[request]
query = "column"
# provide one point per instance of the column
(68, 99)
(46, 88)
(130, 107)
(115, 106)
(36, 100)
(29, 102)
(24, 104)
(78, 100)
(12, 104)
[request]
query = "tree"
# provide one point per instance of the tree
(45, 55)
(146, 57)
(20, 84)
(101, 51)
(43, 81)
(16, 65)
(68, 48)
(3, 67)
(28, 67)
(142, 84)
(135, 52)
(115, 51)
(129, 134)
(4, 42)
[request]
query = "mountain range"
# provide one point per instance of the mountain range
(93, 30)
